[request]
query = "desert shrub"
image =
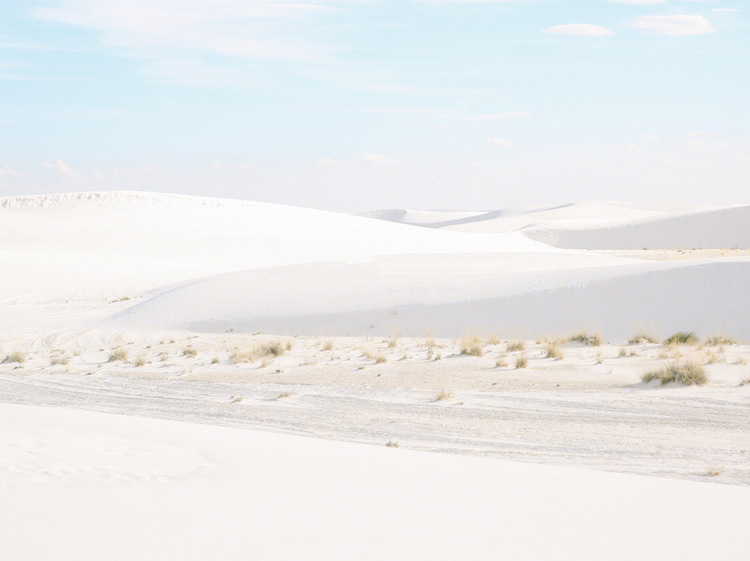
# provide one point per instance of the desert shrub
(717, 340)
(379, 358)
(682, 338)
(514, 346)
(140, 361)
(642, 338)
(553, 350)
(522, 362)
(327, 345)
(442, 396)
(16, 356)
(493, 339)
(215, 360)
(501, 363)
(686, 373)
(118, 354)
(472, 346)
(261, 352)
(189, 352)
(392, 444)
(586, 339)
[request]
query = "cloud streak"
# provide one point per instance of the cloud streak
(672, 26)
(579, 29)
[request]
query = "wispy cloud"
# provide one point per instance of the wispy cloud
(672, 25)
(579, 29)
(504, 143)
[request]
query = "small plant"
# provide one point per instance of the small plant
(685, 373)
(140, 361)
(392, 444)
(554, 351)
(393, 342)
(493, 339)
(586, 339)
(327, 345)
(379, 358)
(716, 340)
(514, 346)
(682, 338)
(189, 352)
(282, 395)
(713, 471)
(522, 362)
(215, 360)
(623, 353)
(745, 382)
(472, 346)
(641, 338)
(442, 396)
(118, 354)
(263, 353)
(501, 363)
(16, 356)
(163, 356)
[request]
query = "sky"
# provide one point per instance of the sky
(363, 104)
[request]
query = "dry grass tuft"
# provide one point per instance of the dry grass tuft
(522, 362)
(682, 338)
(378, 357)
(716, 340)
(140, 361)
(493, 339)
(190, 352)
(443, 395)
(118, 354)
(514, 346)
(472, 345)
(328, 345)
(553, 350)
(392, 444)
(264, 353)
(586, 339)
(642, 338)
(501, 363)
(16, 356)
(713, 471)
(685, 373)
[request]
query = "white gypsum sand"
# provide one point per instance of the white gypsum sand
(147, 305)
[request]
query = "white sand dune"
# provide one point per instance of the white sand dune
(90, 486)
(599, 225)
(449, 296)
(211, 264)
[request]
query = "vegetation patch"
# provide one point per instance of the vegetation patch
(682, 338)
(685, 373)
(586, 339)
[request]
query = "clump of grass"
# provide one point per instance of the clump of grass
(553, 350)
(379, 358)
(442, 396)
(514, 346)
(215, 360)
(522, 362)
(189, 352)
(472, 346)
(623, 353)
(713, 471)
(493, 339)
(686, 373)
(262, 352)
(392, 444)
(16, 356)
(716, 340)
(501, 363)
(327, 345)
(140, 361)
(118, 354)
(586, 339)
(682, 338)
(642, 338)
(163, 356)
(282, 395)
(59, 357)
(393, 342)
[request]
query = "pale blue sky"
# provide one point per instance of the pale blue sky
(351, 105)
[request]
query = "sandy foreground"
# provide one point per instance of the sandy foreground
(400, 406)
